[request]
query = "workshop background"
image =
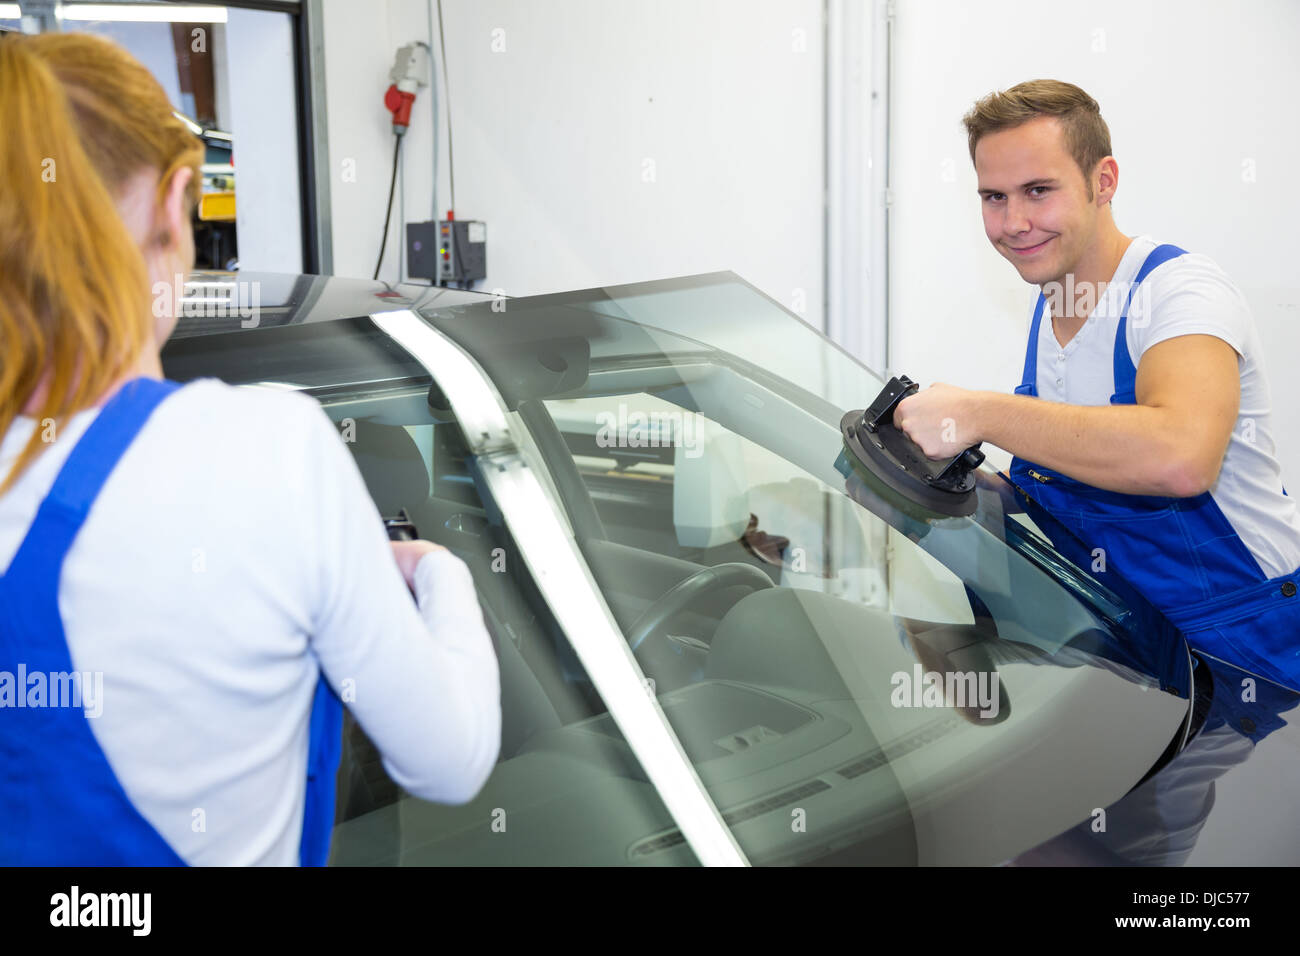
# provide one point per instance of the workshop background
(814, 147)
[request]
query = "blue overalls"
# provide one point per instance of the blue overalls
(1181, 554)
(60, 801)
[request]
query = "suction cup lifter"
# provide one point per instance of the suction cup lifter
(400, 528)
(881, 450)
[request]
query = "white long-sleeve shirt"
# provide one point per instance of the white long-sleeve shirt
(232, 552)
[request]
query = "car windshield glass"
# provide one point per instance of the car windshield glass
(556, 796)
(549, 782)
(848, 675)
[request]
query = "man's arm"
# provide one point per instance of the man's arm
(1172, 442)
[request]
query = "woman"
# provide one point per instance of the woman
(205, 558)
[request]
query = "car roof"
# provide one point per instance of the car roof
(223, 302)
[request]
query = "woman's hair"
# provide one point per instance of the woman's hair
(1086, 135)
(82, 117)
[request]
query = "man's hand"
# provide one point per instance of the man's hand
(1172, 442)
(940, 419)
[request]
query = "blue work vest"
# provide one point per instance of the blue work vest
(1181, 554)
(60, 801)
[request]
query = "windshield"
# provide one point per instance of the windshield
(851, 681)
(831, 662)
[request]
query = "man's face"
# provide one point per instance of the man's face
(1034, 200)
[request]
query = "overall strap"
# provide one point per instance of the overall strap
(60, 799)
(1029, 378)
(1124, 370)
(36, 566)
(324, 749)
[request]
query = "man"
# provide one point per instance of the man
(1142, 424)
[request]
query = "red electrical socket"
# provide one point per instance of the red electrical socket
(399, 104)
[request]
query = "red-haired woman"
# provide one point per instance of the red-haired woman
(208, 725)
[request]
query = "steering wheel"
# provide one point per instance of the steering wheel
(700, 585)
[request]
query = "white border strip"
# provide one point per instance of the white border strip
(565, 581)
(144, 13)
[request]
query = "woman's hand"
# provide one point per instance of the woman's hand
(408, 555)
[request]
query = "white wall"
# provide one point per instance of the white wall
(553, 134)
(358, 54)
(258, 68)
(1191, 90)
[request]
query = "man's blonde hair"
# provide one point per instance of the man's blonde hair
(1087, 138)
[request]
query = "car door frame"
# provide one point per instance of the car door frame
(518, 478)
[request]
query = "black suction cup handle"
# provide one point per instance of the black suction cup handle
(401, 528)
(956, 471)
(876, 434)
(881, 410)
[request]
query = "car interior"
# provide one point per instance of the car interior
(719, 562)
(768, 599)
(552, 715)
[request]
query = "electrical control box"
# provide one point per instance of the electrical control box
(449, 250)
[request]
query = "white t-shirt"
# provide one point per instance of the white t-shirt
(1184, 296)
(233, 548)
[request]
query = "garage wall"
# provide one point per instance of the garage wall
(601, 142)
(257, 72)
(359, 51)
(1198, 97)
